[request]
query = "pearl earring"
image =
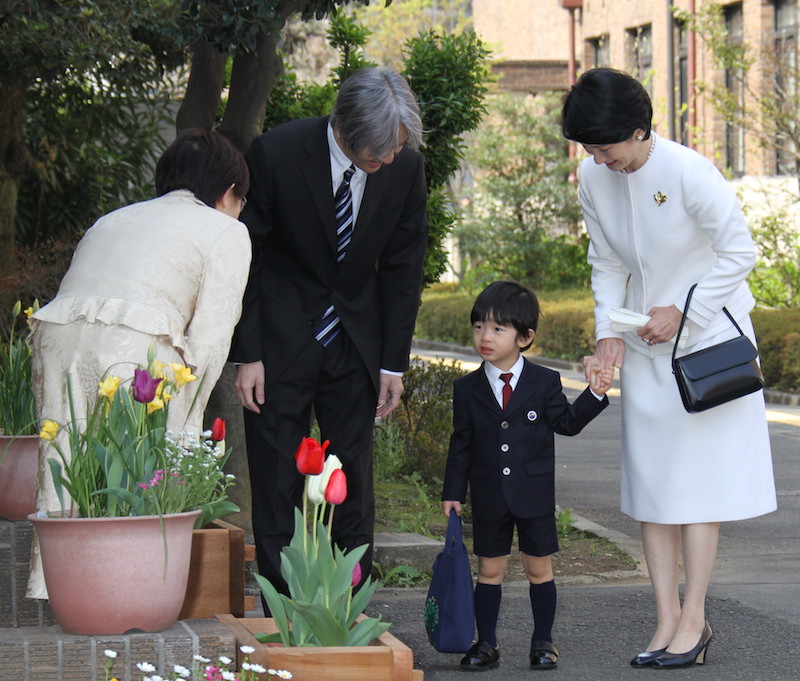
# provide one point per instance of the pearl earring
(639, 138)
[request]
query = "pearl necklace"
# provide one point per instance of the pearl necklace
(649, 154)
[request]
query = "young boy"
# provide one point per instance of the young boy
(506, 453)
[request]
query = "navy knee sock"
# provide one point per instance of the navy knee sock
(487, 608)
(543, 606)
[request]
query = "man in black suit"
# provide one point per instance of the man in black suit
(336, 214)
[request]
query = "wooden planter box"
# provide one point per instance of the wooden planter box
(216, 572)
(387, 659)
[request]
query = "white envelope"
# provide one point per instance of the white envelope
(623, 320)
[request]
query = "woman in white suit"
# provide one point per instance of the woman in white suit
(661, 218)
(168, 272)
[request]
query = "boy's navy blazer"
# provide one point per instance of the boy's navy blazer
(508, 457)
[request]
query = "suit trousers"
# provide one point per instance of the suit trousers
(334, 384)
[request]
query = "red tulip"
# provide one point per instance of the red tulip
(218, 430)
(336, 491)
(144, 386)
(310, 456)
(356, 575)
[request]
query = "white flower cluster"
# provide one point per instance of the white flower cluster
(204, 668)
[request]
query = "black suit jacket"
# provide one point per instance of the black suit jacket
(508, 457)
(295, 276)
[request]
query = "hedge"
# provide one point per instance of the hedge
(566, 330)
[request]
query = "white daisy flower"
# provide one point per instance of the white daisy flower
(145, 667)
(111, 654)
(247, 650)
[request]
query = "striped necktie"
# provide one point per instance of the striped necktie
(328, 327)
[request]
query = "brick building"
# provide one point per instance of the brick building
(540, 45)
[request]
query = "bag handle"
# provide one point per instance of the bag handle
(454, 539)
(683, 321)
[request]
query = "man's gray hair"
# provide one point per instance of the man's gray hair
(371, 106)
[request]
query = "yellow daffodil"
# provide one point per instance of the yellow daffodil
(108, 387)
(157, 369)
(49, 430)
(156, 404)
(183, 374)
(28, 312)
(166, 397)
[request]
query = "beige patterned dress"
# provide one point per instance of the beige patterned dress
(169, 272)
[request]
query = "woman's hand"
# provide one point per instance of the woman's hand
(663, 325)
(609, 353)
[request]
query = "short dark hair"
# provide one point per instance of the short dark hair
(370, 108)
(204, 162)
(606, 106)
(507, 302)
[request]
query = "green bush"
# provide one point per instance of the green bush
(566, 329)
(776, 331)
(566, 325)
(420, 427)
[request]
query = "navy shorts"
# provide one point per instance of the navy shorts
(537, 536)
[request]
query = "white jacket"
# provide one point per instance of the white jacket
(658, 230)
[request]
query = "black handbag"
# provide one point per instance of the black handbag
(717, 374)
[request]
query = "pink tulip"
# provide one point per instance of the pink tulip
(356, 575)
(310, 456)
(144, 386)
(336, 491)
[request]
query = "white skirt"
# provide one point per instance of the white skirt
(679, 468)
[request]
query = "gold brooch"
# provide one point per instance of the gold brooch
(660, 198)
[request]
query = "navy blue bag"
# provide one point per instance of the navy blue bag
(450, 606)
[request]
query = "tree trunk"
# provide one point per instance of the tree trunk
(206, 79)
(14, 160)
(252, 78)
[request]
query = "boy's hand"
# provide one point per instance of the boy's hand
(454, 505)
(602, 380)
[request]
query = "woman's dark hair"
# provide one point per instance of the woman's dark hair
(606, 106)
(204, 162)
(507, 302)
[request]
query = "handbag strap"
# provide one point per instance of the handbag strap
(683, 321)
(455, 537)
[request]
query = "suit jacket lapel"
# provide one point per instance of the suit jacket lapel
(526, 385)
(373, 193)
(317, 173)
(483, 391)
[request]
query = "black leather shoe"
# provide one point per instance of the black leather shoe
(696, 655)
(646, 658)
(544, 655)
(481, 657)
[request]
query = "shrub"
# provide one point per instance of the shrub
(566, 326)
(423, 422)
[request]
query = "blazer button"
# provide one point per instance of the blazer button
(504, 447)
(504, 424)
(506, 471)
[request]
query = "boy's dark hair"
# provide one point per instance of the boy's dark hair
(204, 162)
(508, 302)
(606, 106)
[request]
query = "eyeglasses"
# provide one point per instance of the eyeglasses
(244, 203)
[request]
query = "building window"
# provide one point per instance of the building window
(598, 52)
(785, 84)
(734, 82)
(682, 81)
(639, 51)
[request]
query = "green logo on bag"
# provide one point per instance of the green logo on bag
(431, 613)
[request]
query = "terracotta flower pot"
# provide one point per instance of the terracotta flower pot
(18, 471)
(109, 575)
